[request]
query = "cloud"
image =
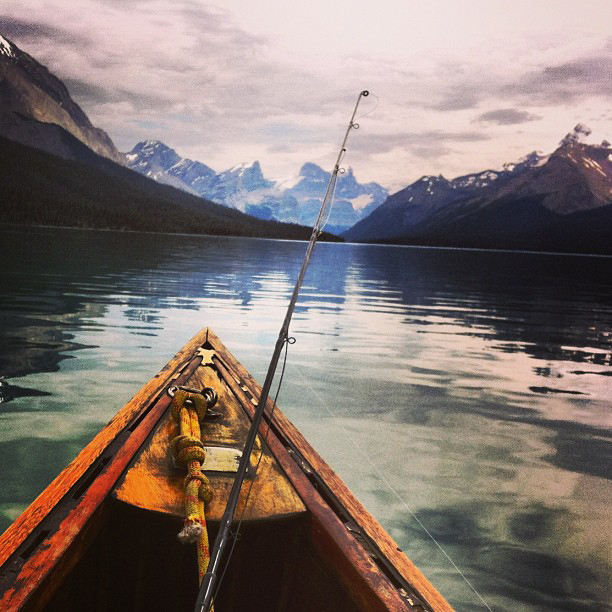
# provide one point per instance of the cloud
(461, 96)
(188, 67)
(429, 144)
(86, 91)
(565, 83)
(459, 85)
(27, 31)
(469, 85)
(507, 116)
(225, 83)
(91, 95)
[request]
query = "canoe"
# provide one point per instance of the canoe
(102, 535)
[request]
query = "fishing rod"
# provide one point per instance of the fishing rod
(209, 582)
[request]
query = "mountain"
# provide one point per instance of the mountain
(410, 207)
(39, 188)
(34, 102)
(157, 161)
(353, 200)
(244, 187)
(561, 202)
(233, 187)
(58, 169)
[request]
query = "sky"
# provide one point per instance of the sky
(457, 86)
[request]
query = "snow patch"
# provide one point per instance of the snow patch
(240, 169)
(288, 183)
(5, 47)
(361, 201)
(593, 164)
(532, 160)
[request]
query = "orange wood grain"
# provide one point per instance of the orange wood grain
(353, 506)
(53, 549)
(340, 550)
(154, 484)
(342, 554)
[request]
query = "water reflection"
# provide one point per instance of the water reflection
(465, 390)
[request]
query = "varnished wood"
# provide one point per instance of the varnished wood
(72, 512)
(338, 549)
(152, 483)
(352, 505)
(56, 546)
(41, 506)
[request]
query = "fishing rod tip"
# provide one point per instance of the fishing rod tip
(365, 93)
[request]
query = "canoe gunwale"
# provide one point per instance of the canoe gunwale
(408, 583)
(388, 557)
(57, 519)
(43, 545)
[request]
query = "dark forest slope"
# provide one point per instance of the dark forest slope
(38, 188)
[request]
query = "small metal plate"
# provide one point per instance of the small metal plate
(206, 356)
(221, 459)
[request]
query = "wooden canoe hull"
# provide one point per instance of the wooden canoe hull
(153, 483)
(309, 544)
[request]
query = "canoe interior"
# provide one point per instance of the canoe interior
(153, 483)
(135, 562)
(102, 536)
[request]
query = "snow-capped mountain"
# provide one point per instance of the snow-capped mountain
(162, 164)
(37, 110)
(353, 200)
(560, 202)
(234, 184)
(296, 199)
(417, 202)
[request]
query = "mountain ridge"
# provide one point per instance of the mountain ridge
(243, 186)
(44, 189)
(416, 202)
(536, 202)
(530, 203)
(59, 170)
(28, 90)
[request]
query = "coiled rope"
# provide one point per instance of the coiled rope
(188, 409)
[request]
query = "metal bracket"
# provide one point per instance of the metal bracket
(206, 355)
(209, 394)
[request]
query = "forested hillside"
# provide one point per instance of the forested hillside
(42, 189)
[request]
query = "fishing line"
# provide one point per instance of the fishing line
(382, 477)
(236, 534)
(371, 110)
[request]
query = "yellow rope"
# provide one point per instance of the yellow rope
(187, 450)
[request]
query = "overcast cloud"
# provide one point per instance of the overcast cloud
(459, 86)
(507, 116)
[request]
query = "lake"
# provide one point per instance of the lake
(464, 396)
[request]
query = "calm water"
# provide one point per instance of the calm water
(466, 392)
